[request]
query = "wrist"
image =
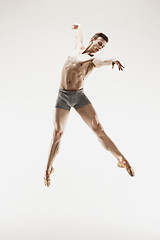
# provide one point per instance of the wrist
(114, 60)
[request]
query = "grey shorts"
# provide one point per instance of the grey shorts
(67, 99)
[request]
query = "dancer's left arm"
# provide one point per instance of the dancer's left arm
(99, 63)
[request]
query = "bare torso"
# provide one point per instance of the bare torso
(75, 70)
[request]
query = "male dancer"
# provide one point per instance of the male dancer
(71, 94)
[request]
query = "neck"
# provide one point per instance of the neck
(87, 50)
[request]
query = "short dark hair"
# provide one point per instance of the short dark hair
(100, 34)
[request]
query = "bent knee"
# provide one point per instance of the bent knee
(57, 133)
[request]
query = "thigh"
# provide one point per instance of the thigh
(89, 115)
(81, 100)
(60, 118)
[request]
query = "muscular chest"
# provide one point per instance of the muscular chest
(78, 67)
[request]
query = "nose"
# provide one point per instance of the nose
(99, 46)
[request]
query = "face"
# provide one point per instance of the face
(97, 44)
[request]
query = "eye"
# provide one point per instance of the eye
(100, 44)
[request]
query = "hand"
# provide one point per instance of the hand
(75, 26)
(120, 67)
(47, 177)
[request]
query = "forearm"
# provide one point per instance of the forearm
(109, 62)
(100, 63)
(79, 35)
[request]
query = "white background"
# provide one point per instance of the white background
(89, 196)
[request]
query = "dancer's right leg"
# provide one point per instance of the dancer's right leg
(61, 116)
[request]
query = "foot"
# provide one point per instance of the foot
(47, 177)
(125, 164)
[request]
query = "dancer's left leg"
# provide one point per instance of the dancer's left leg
(90, 117)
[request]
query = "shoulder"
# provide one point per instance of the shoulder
(77, 52)
(97, 62)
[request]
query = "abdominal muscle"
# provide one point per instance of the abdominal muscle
(73, 74)
(72, 81)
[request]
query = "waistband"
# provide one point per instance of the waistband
(71, 91)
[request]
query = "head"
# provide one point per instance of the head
(98, 41)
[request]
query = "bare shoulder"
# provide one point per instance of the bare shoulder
(79, 57)
(97, 62)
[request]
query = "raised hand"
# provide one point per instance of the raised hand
(120, 67)
(75, 26)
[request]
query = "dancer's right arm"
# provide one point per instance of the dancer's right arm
(79, 37)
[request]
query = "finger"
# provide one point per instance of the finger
(75, 26)
(121, 67)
